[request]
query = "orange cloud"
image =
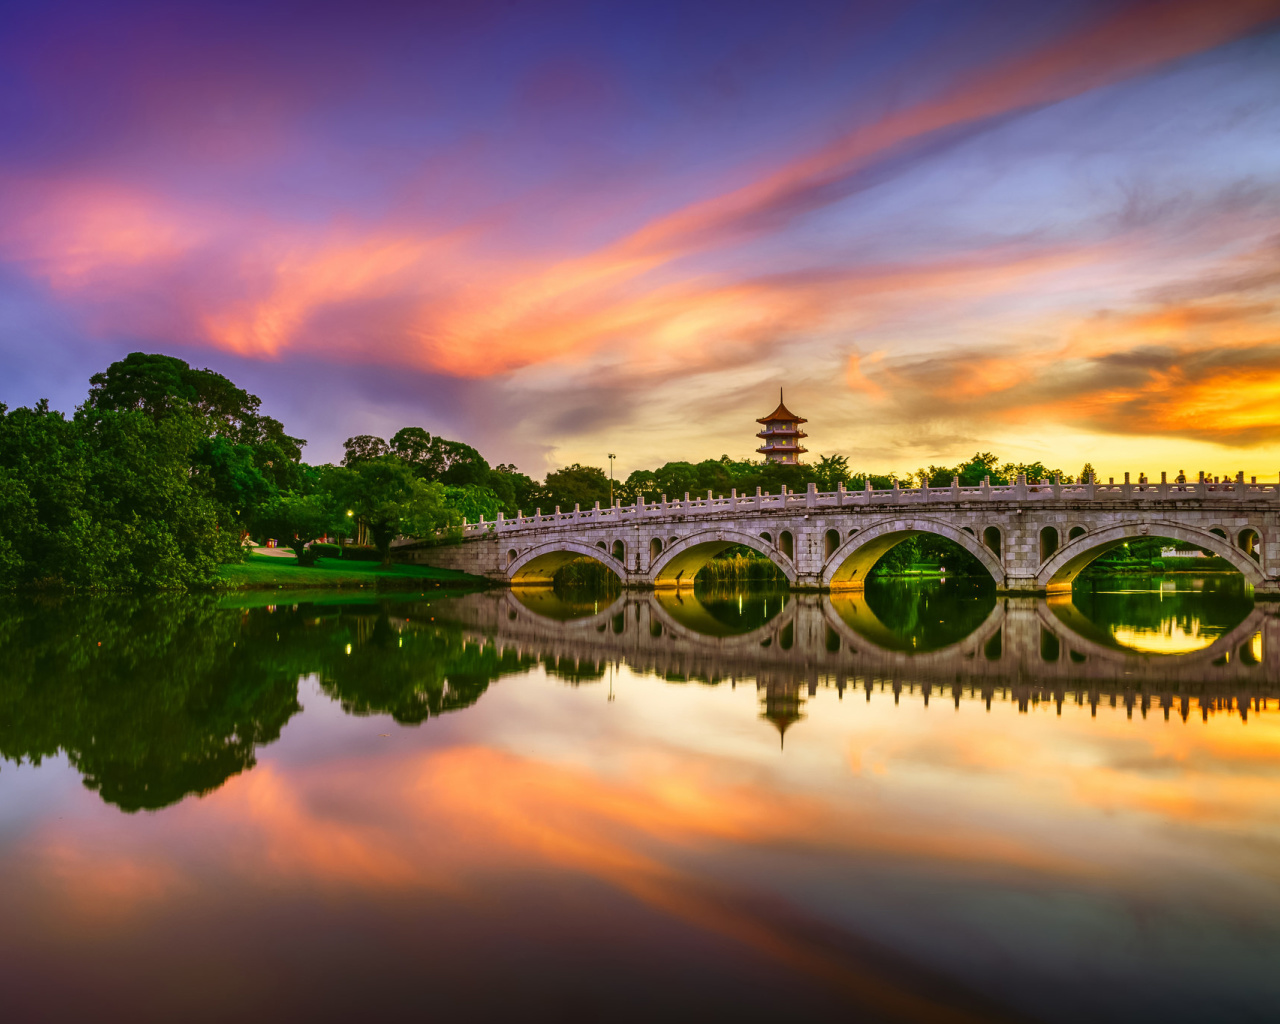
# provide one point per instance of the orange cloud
(439, 301)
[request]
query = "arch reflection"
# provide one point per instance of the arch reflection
(898, 615)
(155, 700)
(1157, 616)
(724, 611)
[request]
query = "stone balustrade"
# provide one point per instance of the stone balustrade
(1031, 537)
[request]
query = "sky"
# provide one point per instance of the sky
(555, 231)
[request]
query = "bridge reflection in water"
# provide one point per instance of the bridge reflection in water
(1029, 650)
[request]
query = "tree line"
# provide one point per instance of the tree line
(165, 470)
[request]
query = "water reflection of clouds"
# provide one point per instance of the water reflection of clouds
(662, 812)
(1170, 636)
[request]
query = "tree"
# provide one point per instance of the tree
(412, 445)
(576, 485)
(978, 468)
(384, 494)
(830, 471)
(150, 522)
(363, 447)
(428, 510)
(470, 503)
(298, 519)
(160, 385)
(514, 490)
(1087, 473)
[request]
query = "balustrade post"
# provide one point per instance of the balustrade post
(1091, 486)
(1164, 484)
(839, 494)
(733, 497)
(1057, 485)
(811, 496)
(986, 487)
(1127, 488)
(897, 492)
(955, 488)
(1241, 490)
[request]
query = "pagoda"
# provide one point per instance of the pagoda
(781, 435)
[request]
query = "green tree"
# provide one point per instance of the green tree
(470, 503)
(515, 490)
(384, 488)
(575, 485)
(160, 385)
(298, 519)
(830, 470)
(362, 448)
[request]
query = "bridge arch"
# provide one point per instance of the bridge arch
(1057, 574)
(539, 564)
(853, 560)
(679, 563)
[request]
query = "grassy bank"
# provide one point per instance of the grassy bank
(268, 571)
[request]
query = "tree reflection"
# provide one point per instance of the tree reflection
(155, 699)
(150, 699)
(918, 615)
(1158, 615)
(395, 661)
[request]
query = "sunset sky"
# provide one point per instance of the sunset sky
(553, 231)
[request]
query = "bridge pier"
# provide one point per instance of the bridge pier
(1026, 586)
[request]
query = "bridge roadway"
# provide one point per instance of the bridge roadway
(1042, 649)
(1032, 538)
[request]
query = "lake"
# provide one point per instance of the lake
(921, 802)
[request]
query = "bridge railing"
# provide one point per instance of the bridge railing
(1022, 491)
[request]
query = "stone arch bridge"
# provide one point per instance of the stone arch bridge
(1032, 538)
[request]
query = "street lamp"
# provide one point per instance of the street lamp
(611, 458)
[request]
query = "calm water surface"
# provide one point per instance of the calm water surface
(919, 803)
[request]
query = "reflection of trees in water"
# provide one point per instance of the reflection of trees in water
(150, 699)
(408, 673)
(181, 692)
(723, 611)
(742, 608)
(925, 615)
(1202, 606)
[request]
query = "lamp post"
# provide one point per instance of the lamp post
(611, 458)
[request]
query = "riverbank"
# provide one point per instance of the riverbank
(263, 572)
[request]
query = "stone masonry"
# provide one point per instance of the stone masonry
(1032, 538)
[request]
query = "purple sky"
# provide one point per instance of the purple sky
(558, 230)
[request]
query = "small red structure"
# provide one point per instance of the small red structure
(781, 434)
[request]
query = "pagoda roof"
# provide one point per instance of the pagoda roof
(782, 413)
